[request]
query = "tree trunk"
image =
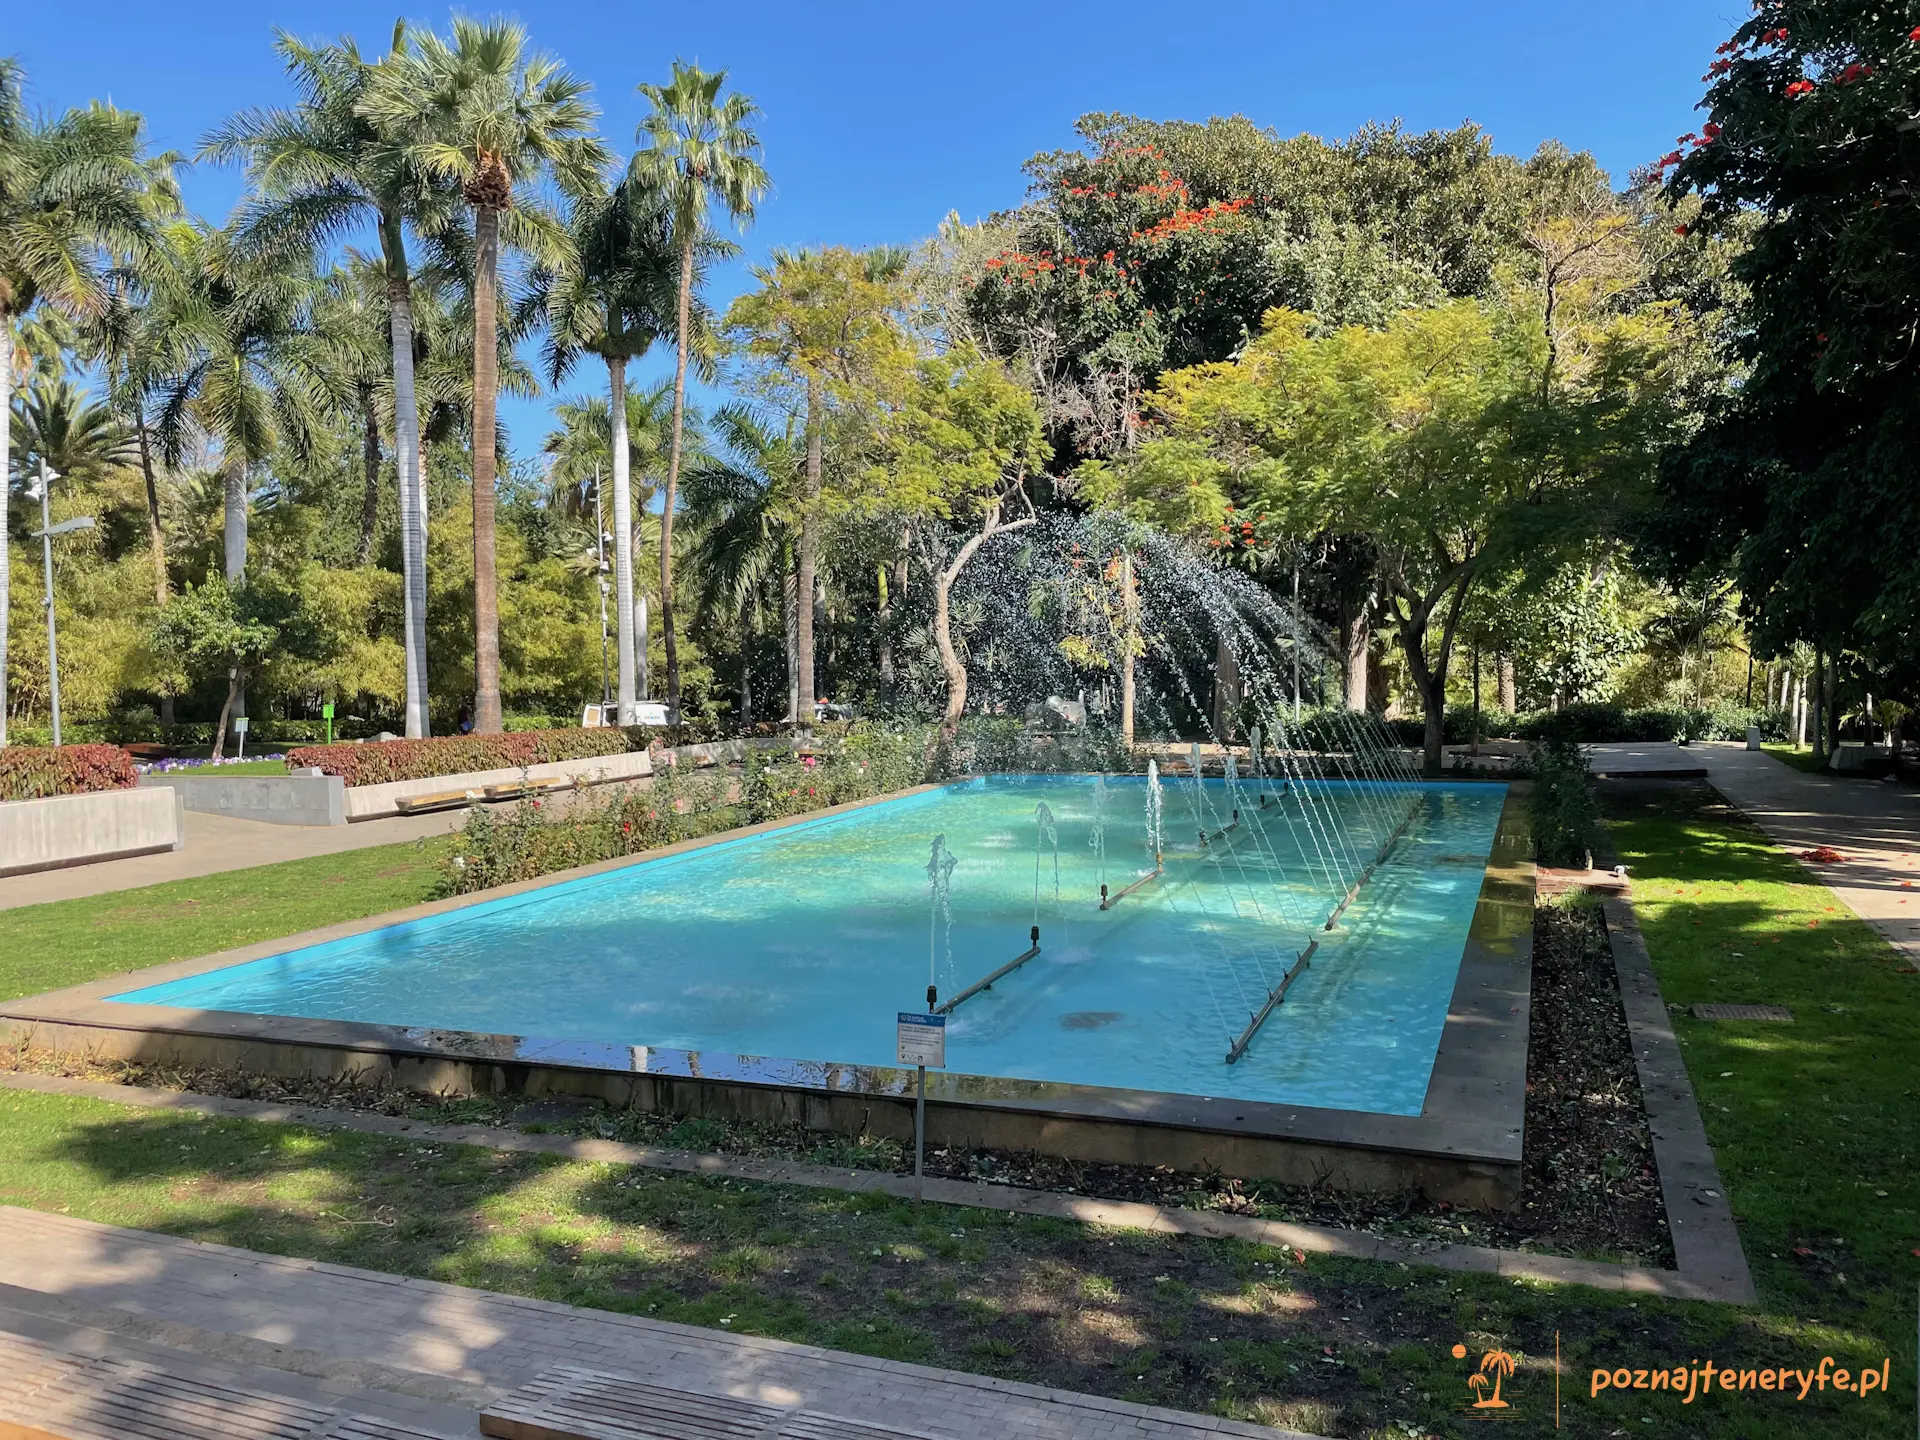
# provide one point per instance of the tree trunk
(808, 562)
(1818, 707)
(234, 487)
(789, 628)
(236, 685)
(1359, 637)
(627, 689)
(883, 630)
(746, 665)
(6, 414)
(486, 380)
(682, 318)
(1226, 690)
(1430, 677)
(943, 583)
(370, 458)
(1129, 643)
(408, 475)
(156, 535)
(1509, 692)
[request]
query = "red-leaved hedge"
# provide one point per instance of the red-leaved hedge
(388, 760)
(30, 772)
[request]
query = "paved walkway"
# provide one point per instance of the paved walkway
(441, 1342)
(216, 843)
(1875, 824)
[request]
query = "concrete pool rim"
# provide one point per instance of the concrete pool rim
(1464, 1146)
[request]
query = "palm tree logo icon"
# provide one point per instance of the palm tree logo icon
(1498, 1365)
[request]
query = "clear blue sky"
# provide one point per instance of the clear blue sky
(880, 118)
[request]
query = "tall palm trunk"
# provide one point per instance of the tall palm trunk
(370, 458)
(156, 542)
(622, 534)
(809, 559)
(486, 380)
(6, 412)
(235, 484)
(683, 314)
(156, 535)
(407, 468)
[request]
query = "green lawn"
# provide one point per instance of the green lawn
(1813, 1121)
(1800, 757)
(46, 947)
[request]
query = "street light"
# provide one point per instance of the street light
(43, 493)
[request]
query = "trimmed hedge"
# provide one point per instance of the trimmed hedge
(31, 773)
(389, 760)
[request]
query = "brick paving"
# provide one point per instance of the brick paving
(498, 1342)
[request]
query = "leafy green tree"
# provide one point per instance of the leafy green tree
(73, 192)
(960, 444)
(824, 330)
(233, 627)
(1801, 484)
(484, 113)
(1435, 441)
(699, 152)
(315, 171)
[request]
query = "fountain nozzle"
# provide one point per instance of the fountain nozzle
(933, 996)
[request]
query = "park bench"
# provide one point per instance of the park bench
(519, 789)
(439, 800)
(571, 1403)
(47, 1393)
(148, 750)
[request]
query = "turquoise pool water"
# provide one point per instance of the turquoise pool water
(803, 942)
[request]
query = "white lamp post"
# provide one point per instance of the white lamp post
(42, 491)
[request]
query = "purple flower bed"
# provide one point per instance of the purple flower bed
(161, 767)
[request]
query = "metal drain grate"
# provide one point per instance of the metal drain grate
(1742, 1012)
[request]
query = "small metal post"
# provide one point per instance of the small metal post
(920, 1116)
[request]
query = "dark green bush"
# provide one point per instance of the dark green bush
(1562, 807)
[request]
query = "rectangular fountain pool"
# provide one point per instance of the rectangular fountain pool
(800, 943)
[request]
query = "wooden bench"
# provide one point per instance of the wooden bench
(519, 789)
(148, 750)
(439, 800)
(56, 1394)
(570, 1403)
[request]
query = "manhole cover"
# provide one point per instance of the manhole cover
(1742, 1012)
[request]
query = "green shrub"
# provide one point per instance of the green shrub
(463, 754)
(1562, 807)
(535, 839)
(31, 773)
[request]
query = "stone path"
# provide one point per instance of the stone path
(481, 1344)
(217, 843)
(1875, 824)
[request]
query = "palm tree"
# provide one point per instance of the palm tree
(700, 151)
(70, 189)
(241, 366)
(742, 559)
(485, 113)
(350, 318)
(316, 171)
(615, 301)
(79, 438)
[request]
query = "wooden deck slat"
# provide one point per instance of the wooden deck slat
(568, 1403)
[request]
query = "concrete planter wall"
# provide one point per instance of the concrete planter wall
(275, 799)
(79, 829)
(368, 802)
